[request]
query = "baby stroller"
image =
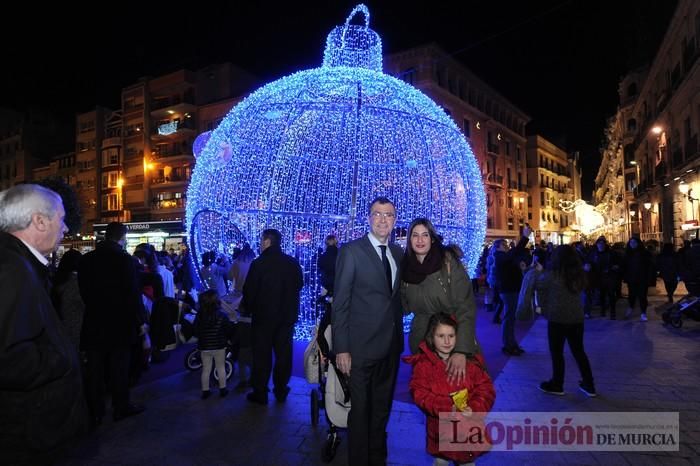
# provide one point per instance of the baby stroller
(333, 392)
(689, 306)
(193, 358)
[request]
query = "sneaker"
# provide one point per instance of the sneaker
(549, 387)
(588, 389)
(206, 394)
(643, 317)
(628, 312)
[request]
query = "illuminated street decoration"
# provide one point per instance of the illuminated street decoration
(200, 142)
(167, 128)
(307, 153)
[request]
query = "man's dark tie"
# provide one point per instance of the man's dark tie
(387, 268)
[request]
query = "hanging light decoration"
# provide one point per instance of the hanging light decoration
(307, 153)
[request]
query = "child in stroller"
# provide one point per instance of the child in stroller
(334, 389)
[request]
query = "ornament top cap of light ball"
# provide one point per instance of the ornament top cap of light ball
(307, 153)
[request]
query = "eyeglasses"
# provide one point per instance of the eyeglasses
(378, 215)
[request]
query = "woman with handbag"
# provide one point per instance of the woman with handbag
(434, 280)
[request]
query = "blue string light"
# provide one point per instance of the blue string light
(307, 153)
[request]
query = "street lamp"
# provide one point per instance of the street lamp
(647, 205)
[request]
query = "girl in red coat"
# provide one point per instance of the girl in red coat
(433, 393)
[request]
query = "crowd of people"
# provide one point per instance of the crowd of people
(70, 337)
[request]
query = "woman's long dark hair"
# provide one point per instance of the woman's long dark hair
(435, 239)
(566, 263)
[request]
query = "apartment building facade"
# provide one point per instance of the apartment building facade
(552, 181)
(653, 138)
(494, 127)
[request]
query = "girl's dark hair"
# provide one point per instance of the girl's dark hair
(435, 320)
(566, 263)
(68, 264)
(209, 303)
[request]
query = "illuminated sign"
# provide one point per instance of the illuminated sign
(168, 128)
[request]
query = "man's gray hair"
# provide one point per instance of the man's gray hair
(19, 203)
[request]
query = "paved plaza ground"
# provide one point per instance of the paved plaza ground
(637, 367)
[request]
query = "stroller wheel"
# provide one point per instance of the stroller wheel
(229, 371)
(666, 316)
(676, 322)
(193, 360)
(331, 446)
(315, 406)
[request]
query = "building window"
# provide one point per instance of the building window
(541, 198)
(529, 215)
(109, 180)
(110, 202)
(110, 157)
(510, 223)
(409, 75)
(467, 128)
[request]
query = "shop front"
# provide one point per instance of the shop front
(162, 235)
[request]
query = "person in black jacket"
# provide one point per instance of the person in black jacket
(113, 322)
(638, 269)
(326, 264)
(42, 406)
(271, 295)
(212, 329)
(510, 277)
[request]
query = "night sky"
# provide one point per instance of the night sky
(559, 61)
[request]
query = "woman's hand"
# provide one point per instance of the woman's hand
(456, 368)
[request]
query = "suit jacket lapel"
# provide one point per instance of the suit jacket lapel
(374, 257)
(396, 254)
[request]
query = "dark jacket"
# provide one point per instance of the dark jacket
(326, 267)
(113, 307)
(366, 316)
(271, 290)
(214, 332)
(510, 277)
(605, 268)
(431, 393)
(442, 292)
(638, 266)
(41, 392)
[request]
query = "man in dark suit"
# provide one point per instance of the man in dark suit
(368, 331)
(42, 403)
(114, 319)
(271, 295)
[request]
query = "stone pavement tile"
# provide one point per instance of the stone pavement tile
(639, 459)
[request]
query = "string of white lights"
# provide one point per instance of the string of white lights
(307, 153)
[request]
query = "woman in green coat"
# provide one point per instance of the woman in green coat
(434, 280)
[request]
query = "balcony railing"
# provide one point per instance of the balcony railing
(168, 204)
(157, 104)
(170, 179)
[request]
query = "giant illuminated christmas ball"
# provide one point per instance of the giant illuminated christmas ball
(307, 153)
